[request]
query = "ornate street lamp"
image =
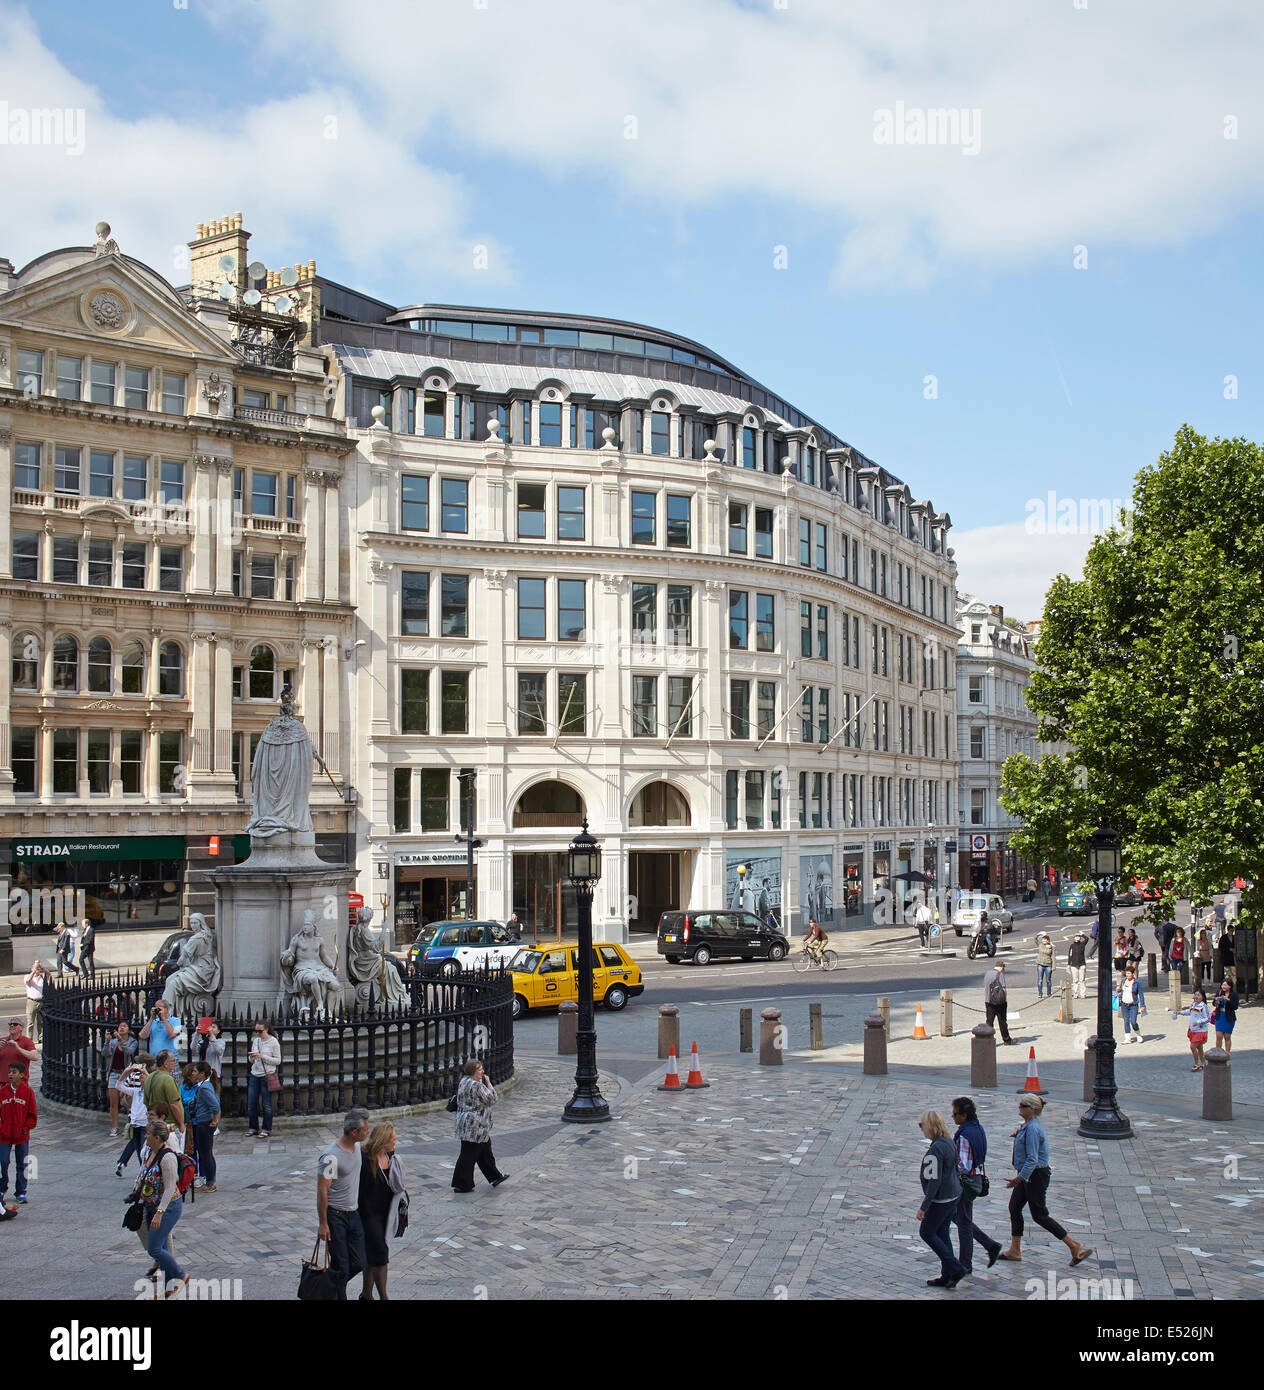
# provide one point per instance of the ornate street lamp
(583, 868)
(1104, 1119)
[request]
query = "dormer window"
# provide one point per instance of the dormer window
(550, 425)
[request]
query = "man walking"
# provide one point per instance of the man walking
(65, 950)
(996, 999)
(88, 949)
(923, 918)
(1075, 964)
(1031, 891)
(1228, 960)
(1163, 934)
(17, 1120)
(338, 1200)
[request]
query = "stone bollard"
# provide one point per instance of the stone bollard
(567, 1025)
(1090, 1067)
(1184, 974)
(816, 1028)
(983, 1055)
(1217, 1086)
(884, 1008)
(1068, 1012)
(746, 1031)
(1152, 971)
(945, 1013)
(668, 1029)
(772, 1038)
(1174, 987)
(875, 1046)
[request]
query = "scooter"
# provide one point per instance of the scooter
(981, 942)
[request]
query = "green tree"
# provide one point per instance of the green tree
(1151, 669)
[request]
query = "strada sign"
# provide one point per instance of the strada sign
(79, 851)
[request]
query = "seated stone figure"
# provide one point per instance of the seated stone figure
(308, 977)
(190, 990)
(375, 978)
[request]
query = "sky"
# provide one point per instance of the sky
(1014, 316)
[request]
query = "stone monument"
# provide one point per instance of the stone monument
(190, 991)
(377, 982)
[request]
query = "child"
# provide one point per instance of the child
(17, 1120)
(129, 1085)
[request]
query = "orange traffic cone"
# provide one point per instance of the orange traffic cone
(672, 1081)
(1032, 1084)
(919, 1028)
(694, 1080)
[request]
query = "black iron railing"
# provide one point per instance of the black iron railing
(374, 1057)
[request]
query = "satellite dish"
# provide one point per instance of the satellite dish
(289, 278)
(251, 297)
(283, 304)
(228, 263)
(257, 270)
(226, 291)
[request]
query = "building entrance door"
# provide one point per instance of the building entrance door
(654, 879)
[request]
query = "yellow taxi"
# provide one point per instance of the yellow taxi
(544, 976)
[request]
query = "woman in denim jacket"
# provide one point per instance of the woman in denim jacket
(1031, 1159)
(941, 1190)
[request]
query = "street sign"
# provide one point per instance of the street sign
(934, 931)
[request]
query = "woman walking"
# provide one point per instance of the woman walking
(1045, 961)
(1176, 951)
(119, 1048)
(1199, 1022)
(475, 1097)
(1131, 1000)
(1031, 1187)
(971, 1142)
(163, 1204)
(1224, 1014)
(941, 1191)
(381, 1191)
(1120, 949)
(1202, 957)
(1136, 951)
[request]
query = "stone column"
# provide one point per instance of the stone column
(204, 522)
(332, 550)
(6, 490)
(313, 534)
(151, 764)
(46, 761)
(497, 701)
(226, 528)
(6, 675)
(379, 664)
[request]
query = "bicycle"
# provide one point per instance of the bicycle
(805, 960)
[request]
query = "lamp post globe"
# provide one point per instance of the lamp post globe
(1104, 1119)
(583, 866)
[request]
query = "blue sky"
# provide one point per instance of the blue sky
(468, 124)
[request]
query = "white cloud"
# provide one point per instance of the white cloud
(1011, 566)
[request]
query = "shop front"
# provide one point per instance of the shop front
(430, 886)
(543, 896)
(853, 880)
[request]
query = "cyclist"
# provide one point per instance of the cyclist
(816, 941)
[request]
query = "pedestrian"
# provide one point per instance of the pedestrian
(17, 1047)
(162, 1032)
(1228, 960)
(381, 1191)
(17, 1120)
(1164, 934)
(1076, 967)
(1120, 951)
(1031, 1187)
(265, 1058)
(118, 1047)
(1044, 887)
(131, 1084)
(1176, 950)
(1046, 959)
(1199, 1022)
(971, 1145)
(1131, 1000)
(1031, 890)
(160, 1085)
(203, 1118)
(996, 999)
(188, 1087)
(514, 926)
(337, 1200)
(475, 1097)
(211, 1050)
(88, 949)
(1202, 957)
(65, 950)
(923, 917)
(35, 1002)
(941, 1192)
(1092, 944)
(1136, 951)
(159, 1188)
(1224, 1014)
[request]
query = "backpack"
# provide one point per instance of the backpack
(996, 991)
(186, 1172)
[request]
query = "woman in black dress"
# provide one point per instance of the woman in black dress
(381, 1188)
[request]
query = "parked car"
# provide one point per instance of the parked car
(446, 948)
(545, 976)
(1077, 898)
(1128, 895)
(972, 905)
(699, 936)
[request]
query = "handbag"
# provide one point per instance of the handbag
(134, 1216)
(452, 1105)
(318, 1283)
(975, 1185)
(401, 1218)
(274, 1081)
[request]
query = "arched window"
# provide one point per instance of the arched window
(100, 665)
(133, 668)
(170, 669)
(65, 663)
(549, 804)
(659, 804)
(26, 661)
(263, 674)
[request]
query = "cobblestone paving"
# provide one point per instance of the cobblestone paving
(798, 1181)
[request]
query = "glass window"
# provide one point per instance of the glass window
(680, 615)
(22, 746)
(531, 610)
(136, 388)
(175, 389)
(805, 542)
(26, 467)
(532, 703)
(754, 800)
(100, 665)
(660, 432)
(822, 550)
(171, 568)
(739, 621)
(976, 743)
(531, 498)
(571, 703)
(737, 528)
(455, 505)
(817, 779)
(99, 762)
(414, 701)
(101, 385)
(976, 690)
(65, 663)
(291, 497)
(66, 761)
(263, 576)
(805, 628)
(766, 708)
(131, 761)
(570, 513)
(600, 342)
(571, 609)
(100, 473)
(596, 422)
(645, 612)
(434, 798)
(172, 480)
(434, 413)
(739, 709)
(414, 502)
(765, 625)
(66, 470)
(30, 372)
(822, 715)
(644, 706)
(679, 520)
(455, 592)
(551, 424)
(763, 532)
(170, 669)
(135, 478)
(454, 699)
(134, 566)
(634, 433)
(822, 631)
(291, 578)
(730, 800)
(750, 440)
(26, 555)
(679, 712)
(978, 806)
(101, 562)
(526, 424)
(69, 377)
(402, 800)
(26, 661)
(65, 559)
(170, 762)
(414, 603)
(644, 517)
(263, 492)
(263, 674)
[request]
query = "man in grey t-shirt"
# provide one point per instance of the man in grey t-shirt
(338, 1197)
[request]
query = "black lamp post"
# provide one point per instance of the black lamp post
(583, 868)
(1104, 1119)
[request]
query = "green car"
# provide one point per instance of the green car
(1077, 898)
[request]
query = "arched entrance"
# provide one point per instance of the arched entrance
(655, 876)
(543, 897)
